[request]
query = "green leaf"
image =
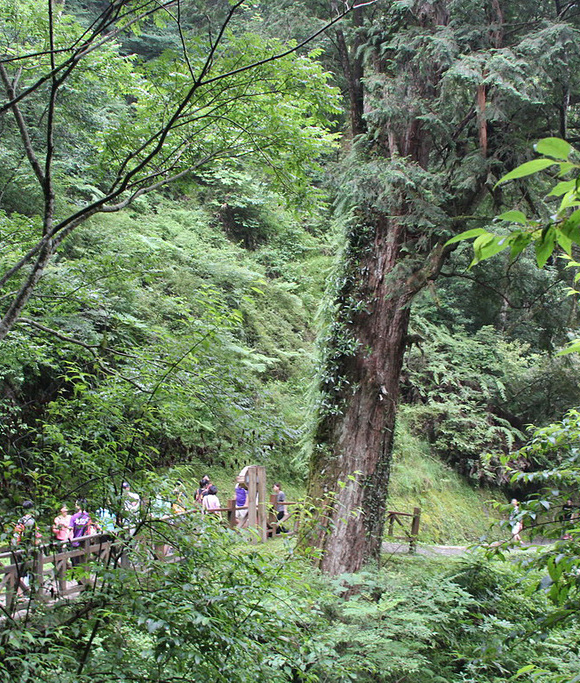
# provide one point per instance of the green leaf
(554, 147)
(526, 669)
(518, 242)
(468, 234)
(562, 187)
(573, 347)
(488, 245)
(526, 169)
(573, 219)
(564, 241)
(565, 167)
(545, 247)
(514, 217)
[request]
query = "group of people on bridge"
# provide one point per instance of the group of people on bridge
(70, 528)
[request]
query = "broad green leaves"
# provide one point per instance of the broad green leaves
(563, 226)
(528, 168)
(554, 147)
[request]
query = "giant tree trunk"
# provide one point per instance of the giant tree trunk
(351, 464)
(353, 442)
(360, 436)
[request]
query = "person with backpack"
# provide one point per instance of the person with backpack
(202, 491)
(211, 502)
(26, 530)
(80, 524)
(26, 535)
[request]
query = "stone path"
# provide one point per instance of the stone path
(422, 549)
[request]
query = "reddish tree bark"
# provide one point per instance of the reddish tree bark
(350, 467)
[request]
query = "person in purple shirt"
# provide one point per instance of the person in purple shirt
(80, 524)
(241, 499)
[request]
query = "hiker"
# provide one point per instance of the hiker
(26, 530)
(105, 522)
(202, 491)
(26, 534)
(241, 500)
(179, 503)
(131, 500)
(515, 520)
(211, 502)
(567, 516)
(160, 507)
(281, 509)
(131, 504)
(80, 525)
(61, 525)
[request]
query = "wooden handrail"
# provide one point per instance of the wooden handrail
(31, 561)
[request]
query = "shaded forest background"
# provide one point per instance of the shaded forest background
(197, 328)
(183, 329)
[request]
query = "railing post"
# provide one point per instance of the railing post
(273, 514)
(60, 571)
(391, 523)
(12, 581)
(232, 521)
(252, 501)
(37, 570)
(262, 511)
(414, 530)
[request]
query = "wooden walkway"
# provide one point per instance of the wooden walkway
(45, 572)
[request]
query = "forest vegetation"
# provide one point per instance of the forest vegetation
(237, 233)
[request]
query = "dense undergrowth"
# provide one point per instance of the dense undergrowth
(237, 612)
(452, 510)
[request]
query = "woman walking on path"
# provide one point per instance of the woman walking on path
(516, 521)
(61, 525)
(211, 502)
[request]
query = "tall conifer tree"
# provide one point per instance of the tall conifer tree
(444, 98)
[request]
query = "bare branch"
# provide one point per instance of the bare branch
(127, 180)
(22, 127)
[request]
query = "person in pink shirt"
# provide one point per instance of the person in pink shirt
(61, 525)
(211, 502)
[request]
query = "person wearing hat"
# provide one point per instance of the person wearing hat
(61, 525)
(26, 530)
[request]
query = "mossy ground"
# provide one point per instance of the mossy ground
(452, 511)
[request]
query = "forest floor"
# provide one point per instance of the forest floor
(446, 550)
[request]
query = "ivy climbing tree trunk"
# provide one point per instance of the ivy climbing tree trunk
(351, 464)
(443, 118)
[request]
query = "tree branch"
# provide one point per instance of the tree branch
(22, 127)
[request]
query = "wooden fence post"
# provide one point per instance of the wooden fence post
(12, 582)
(232, 513)
(252, 500)
(262, 506)
(37, 570)
(272, 514)
(415, 530)
(60, 573)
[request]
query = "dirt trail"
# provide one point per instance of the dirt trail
(428, 550)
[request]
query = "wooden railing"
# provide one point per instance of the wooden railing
(44, 570)
(410, 535)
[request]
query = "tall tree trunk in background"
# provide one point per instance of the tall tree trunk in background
(429, 140)
(352, 68)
